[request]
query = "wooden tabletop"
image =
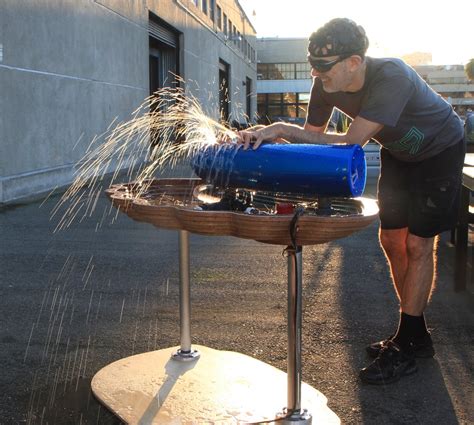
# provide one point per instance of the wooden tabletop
(469, 159)
(468, 171)
(468, 177)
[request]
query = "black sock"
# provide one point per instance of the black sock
(410, 328)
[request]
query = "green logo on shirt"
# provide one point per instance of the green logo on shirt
(411, 142)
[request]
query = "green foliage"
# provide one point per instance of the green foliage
(469, 68)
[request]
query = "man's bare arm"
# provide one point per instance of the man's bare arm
(360, 132)
(311, 127)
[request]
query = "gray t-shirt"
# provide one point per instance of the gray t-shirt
(418, 122)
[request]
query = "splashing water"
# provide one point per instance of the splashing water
(165, 129)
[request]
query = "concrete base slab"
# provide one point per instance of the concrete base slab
(220, 387)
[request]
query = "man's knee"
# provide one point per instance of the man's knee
(393, 241)
(419, 248)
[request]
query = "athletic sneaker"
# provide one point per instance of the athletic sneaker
(422, 347)
(391, 364)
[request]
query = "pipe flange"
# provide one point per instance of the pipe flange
(301, 416)
(186, 356)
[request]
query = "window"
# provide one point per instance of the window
(212, 10)
(274, 111)
(289, 111)
(204, 6)
(248, 95)
(303, 70)
(302, 109)
(274, 71)
(290, 107)
(274, 98)
(225, 24)
(303, 97)
(219, 17)
(284, 71)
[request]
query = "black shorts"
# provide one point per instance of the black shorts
(423, 196)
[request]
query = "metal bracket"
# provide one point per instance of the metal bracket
(300, 416)
(186, 356)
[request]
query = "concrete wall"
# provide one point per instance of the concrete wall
(68, 68)
(282, 50)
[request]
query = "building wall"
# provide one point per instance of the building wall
(203, 44)
(68, 68)
(451, 82)
(276, 50)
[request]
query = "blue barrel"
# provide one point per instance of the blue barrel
(325, 170)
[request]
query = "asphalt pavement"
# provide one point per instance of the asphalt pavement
(74, 301)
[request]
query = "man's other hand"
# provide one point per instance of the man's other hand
(256, 135)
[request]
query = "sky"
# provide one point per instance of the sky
(394, 28)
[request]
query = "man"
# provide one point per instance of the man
(421, 166)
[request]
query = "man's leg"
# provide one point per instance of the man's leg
(412, 269)
(412, 335)
(394, 244)
(394, 202)
(411, 261)
(419, 276)
(413, 273)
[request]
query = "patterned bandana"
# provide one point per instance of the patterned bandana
(341, 36)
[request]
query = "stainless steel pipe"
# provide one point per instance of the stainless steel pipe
(294, 327)
(293, 412)
(185, 353)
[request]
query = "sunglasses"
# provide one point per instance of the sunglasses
(325, 66)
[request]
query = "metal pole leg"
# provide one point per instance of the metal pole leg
(185, 353)
(293, 412)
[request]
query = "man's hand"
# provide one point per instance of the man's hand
(232, 136)
(227, 136)
(256, 135)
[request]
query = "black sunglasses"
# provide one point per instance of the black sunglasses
(324, 66)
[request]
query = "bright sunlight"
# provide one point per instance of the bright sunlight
(394, 28)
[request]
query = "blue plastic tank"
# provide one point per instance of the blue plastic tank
(325, 170)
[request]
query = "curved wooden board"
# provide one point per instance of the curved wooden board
(169, 204)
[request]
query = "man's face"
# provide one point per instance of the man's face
(337, 77)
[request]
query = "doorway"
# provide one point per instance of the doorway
(224, 93)
(248, 97)
(163, 64)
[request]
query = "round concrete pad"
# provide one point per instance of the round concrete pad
(220, 387)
